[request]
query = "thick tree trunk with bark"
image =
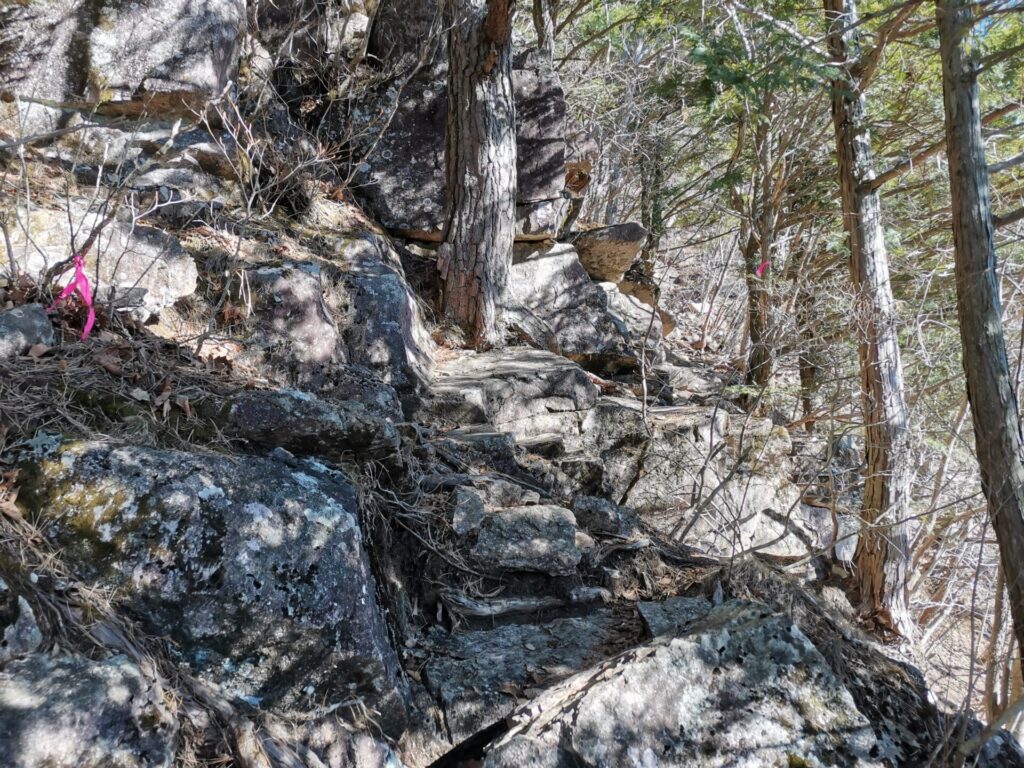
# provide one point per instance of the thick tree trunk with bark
(545, 14)
(476, 253)
(990, 389)
(882, 550)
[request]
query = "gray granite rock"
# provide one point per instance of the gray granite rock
(22, 328)
(312, 321)
(479, 676)
(518, 390)
(679, 383)
(674, 614)
(599, 515)
(741, 687)
(138, 266)
(306, 425)
(539, 539)
(642, 323)
(403, 178)
(554, 302)
(386, 330)
(19, 632)
(160, 58)
(70, 712)
(255, 569)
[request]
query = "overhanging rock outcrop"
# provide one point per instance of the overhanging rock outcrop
(403, 177)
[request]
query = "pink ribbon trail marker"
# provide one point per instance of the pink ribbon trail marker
(80, 284)
(762, 267)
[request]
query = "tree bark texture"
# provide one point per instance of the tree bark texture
(883, 547)
(476, 253)
(544, 20)
(990, 388)
(760, 358)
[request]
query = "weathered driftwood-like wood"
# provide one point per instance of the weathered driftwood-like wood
(882, 551)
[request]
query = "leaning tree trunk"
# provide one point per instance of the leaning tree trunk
(883, 547)
(476, 252)
(997, 433)
(544, 19)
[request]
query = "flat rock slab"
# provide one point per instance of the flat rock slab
(538, 539)
(742, 688)
(306, 425)
(71, 712)
(255, 569)
(22, 328)
(478, 677)
(518, 390)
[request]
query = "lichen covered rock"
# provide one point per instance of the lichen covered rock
(741, 687)
(256, 570)
(70, 712)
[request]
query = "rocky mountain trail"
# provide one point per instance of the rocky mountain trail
(270, 514)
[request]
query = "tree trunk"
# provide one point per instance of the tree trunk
(476, 253)
(545, 13)
(760, 360)
(994, 410)
(882, 550)
(651, 164)
(807, 361)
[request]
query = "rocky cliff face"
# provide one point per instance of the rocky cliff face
(262, 516)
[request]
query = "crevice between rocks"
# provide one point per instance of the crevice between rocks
(471, 748)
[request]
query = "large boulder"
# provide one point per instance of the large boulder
(557, 305)
(139, 267)
(540, 129)
(253, 568)
(124, 58)
(660, 464)
(403, 177)
(740, 687)
(71, 712)
(313, 320)
(683, 469)
(607, 252)
(642, 322)
(402, 27)
(386, 331)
